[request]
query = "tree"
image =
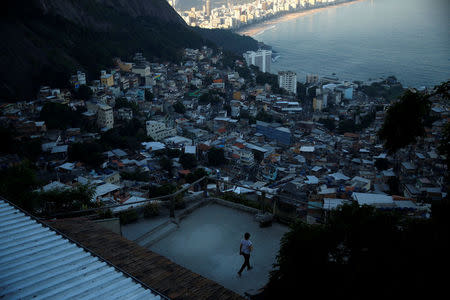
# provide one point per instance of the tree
(123, 102)
(264, 116)
(179, 107)
(16, 184)
(216, 157)
(198, 173)
(404, 121)
(65, 200)
(188, 161)
(209, 98)
(382, 164)
(30, 149)
(394, 185)
(347, 126)
(167, 165)
(88, 153)
(128, 136)
(83, 92)
(148, 95)
(328, 124)
(59, 116)
(357, 246)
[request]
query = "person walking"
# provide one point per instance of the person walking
(244, 249)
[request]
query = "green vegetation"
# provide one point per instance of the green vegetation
(272, 80)
(129, 135)
(59, 116)
(123, 102)
(67, 200)
(209, 98)
(167, 165)
(151, 210)
(228, 40)
(180, 203)
(357, 246)
(163, 190)
(196, 175)
(30, 149)
(216, 157)
(329, 124)
(137, 176)
(188, 161)
(148, 95)
(88, 153)
(382, 164)
(128, 216)
(44, 48)
(239, 199)
(350, 125)
(384, 90)
(179, 107)
(19, 184)
(264, 116)
(404, 122)
(83, 92)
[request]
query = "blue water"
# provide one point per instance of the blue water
(366, 40)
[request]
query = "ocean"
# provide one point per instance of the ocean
(367, 40)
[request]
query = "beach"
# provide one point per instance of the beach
(258, 28)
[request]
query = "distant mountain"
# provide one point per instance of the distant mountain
(44, 41)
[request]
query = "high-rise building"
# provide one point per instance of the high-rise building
(312, 78)
(208, 7)
(105, 116)
(261, 58)
(288, 81)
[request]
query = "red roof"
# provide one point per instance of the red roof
(184, 172)
(239, 145)
(218, 81)
(234, 155)
(222, 130)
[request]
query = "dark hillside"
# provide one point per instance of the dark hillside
(44, 41)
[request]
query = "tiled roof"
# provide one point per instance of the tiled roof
(38, 263)
(154, 270)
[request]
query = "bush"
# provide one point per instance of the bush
(151, 210)
(105, 214)
(239, 199)
(180, 203)
(128, 216)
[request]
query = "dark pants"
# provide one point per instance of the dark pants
(246, 262)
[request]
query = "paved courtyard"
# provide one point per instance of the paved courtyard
(207, 243)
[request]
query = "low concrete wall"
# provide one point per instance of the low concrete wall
(235, 205)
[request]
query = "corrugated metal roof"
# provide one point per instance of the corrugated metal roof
(38, 263)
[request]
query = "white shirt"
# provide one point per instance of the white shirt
(246, 246)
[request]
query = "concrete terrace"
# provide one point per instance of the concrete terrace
(151, 269)
(207, 242)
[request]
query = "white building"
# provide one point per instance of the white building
(158, 130)
(141, 70)
(105, 116)
(288, 81)
(261, 58)
(81, 77)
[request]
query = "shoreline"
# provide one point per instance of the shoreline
(258, 28)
